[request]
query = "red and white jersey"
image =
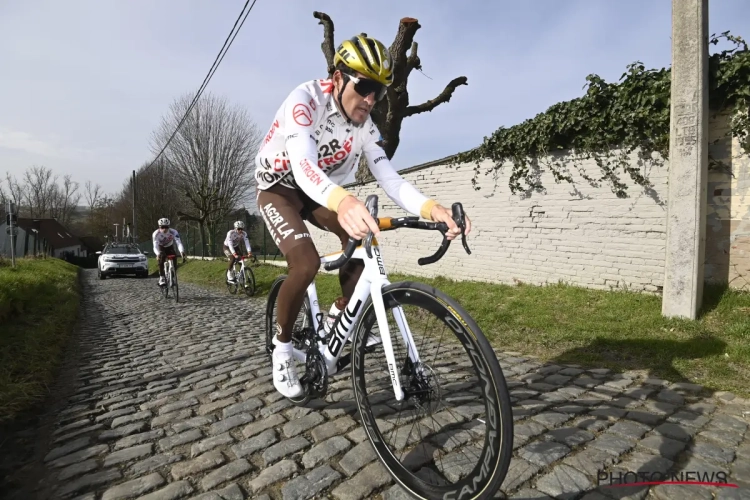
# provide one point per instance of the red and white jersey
(312, 147)
(234, 238)
(166, 239)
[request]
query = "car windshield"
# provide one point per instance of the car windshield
(122, 249)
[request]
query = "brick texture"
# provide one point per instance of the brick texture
(577, 234)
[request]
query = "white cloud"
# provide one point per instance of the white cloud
(26, 142)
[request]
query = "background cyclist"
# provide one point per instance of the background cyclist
(232, 243)
(164, 239)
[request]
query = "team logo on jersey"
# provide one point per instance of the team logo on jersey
(163, 239)
(326, 86)
(269, 136)
(333, 152)
(302, 115)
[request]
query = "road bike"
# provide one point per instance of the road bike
(442, 425)
(170, 273)
(244, 277)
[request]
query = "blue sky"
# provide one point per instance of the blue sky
(83, 84)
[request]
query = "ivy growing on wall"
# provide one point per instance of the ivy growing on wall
(610, 123)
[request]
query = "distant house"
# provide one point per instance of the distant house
(92, 244)
(37, 236)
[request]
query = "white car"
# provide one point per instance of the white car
(122, 258)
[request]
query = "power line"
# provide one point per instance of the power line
(211, 71)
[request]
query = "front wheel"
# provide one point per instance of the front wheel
(249, 282)
(232, 287)
(174, 285)
(452, 434)
(165, 287)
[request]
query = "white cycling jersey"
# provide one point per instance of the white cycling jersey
(166, 239)
(233, 240)
(311, 146)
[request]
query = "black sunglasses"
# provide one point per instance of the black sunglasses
(163, 227)
(366, 86)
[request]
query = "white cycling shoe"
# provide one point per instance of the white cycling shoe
(284, 373)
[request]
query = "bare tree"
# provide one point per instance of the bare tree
(3, 200)
(16, 190)
(157, 197)
(41, 185)
(64, 200)
(210, 157)
(91, 194)
(103, 216)
(389, 113)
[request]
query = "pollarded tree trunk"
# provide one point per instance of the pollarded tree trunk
(389, 113)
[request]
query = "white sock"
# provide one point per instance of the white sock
(285, 347)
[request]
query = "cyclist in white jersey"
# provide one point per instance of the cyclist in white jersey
(164, 239)
(232, 244)
(316, 140)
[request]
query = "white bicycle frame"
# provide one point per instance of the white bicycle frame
(371, 282)
(242, 267)
(168, 263)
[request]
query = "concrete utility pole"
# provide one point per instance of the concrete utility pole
(135, 200)
(688, 161)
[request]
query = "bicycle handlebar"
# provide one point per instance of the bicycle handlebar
(459, 217)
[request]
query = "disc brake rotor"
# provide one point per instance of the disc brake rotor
(425, 386)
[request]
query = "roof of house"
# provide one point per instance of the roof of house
(57, 235)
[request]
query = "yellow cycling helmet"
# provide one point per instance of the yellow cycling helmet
(367, 56)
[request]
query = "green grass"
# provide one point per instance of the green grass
(573, 325)
(39, 302)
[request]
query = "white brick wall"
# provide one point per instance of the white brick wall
(577, 234)
(728, 211)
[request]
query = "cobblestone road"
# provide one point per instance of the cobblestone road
(174, 401)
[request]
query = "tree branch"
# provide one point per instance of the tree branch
(327, 46)
(407, 28)
(184, 216)
(444, 96)
(413, 61)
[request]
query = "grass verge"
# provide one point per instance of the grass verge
(39, 302)
(572, 325)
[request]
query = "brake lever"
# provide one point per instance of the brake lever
(459, 217)
(372, 206)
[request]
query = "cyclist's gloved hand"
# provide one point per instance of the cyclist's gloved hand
(235, 255)
(355, 218)
(441, 214)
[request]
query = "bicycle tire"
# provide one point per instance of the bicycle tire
(165, 287)
(175, 285)
(487, 476)
(232, 287)
(250, 282)
(271, 329)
